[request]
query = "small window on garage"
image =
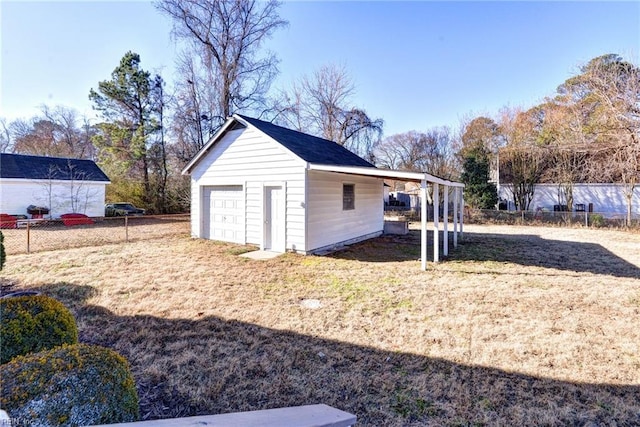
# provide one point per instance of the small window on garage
(348, 197)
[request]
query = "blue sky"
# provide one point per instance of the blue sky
(415, 64)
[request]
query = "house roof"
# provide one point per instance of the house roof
(19, 166)
(309, 148)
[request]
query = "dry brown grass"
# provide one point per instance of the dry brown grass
(519, 326)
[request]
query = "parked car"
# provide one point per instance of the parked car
(122, 209)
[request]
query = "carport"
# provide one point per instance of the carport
(425, 180)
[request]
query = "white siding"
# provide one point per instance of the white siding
(608, 199)
(247, 157)
(59, 196)
(327, 223)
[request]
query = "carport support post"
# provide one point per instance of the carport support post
(461, 215)
(423, 222)
(456, 196)
(445, 217)
(436, 222)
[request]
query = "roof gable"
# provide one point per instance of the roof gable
(308, 147)
(19, 166)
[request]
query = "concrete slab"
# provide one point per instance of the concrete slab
(300, 416)
(260, 255)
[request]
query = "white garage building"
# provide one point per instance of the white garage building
(252, 183)
(258, 183)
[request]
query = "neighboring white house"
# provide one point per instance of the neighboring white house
(606, 199)
(59, 184)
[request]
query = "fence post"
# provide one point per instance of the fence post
(126, 228)
(28, 236)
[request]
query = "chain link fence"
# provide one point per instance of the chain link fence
(36, 235)
(556, 218)
(29, 235)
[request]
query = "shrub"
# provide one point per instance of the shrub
(597, 220)
(29, 324)
(69, 385)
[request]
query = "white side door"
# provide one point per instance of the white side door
(274, 219)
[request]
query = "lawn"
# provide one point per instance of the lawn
(520, 326)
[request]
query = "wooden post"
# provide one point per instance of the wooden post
(126, 228)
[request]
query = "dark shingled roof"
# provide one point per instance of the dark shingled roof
(38, 167)
(310, 148)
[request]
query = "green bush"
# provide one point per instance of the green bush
(29, 324)
(597, 220)
(68, 386)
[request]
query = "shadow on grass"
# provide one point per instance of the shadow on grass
(532, 250)
(522, 249)
(386, 248)
(214, 365)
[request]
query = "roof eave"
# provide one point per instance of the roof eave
(81, 181)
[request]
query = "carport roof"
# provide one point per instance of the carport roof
(387, 174)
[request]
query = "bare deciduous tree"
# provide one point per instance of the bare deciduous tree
(588, 132)
(75, 132)
(6, 136)
(430, 151)
(480, 131)
(614, 86)
(190, 123)
(58, 132)
(66, 189)
(563, 124)
(321, 105)
(522, 161)
(224, 69)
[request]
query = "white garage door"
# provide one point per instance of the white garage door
(224, 213)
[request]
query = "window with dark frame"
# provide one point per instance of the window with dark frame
(348, 197)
